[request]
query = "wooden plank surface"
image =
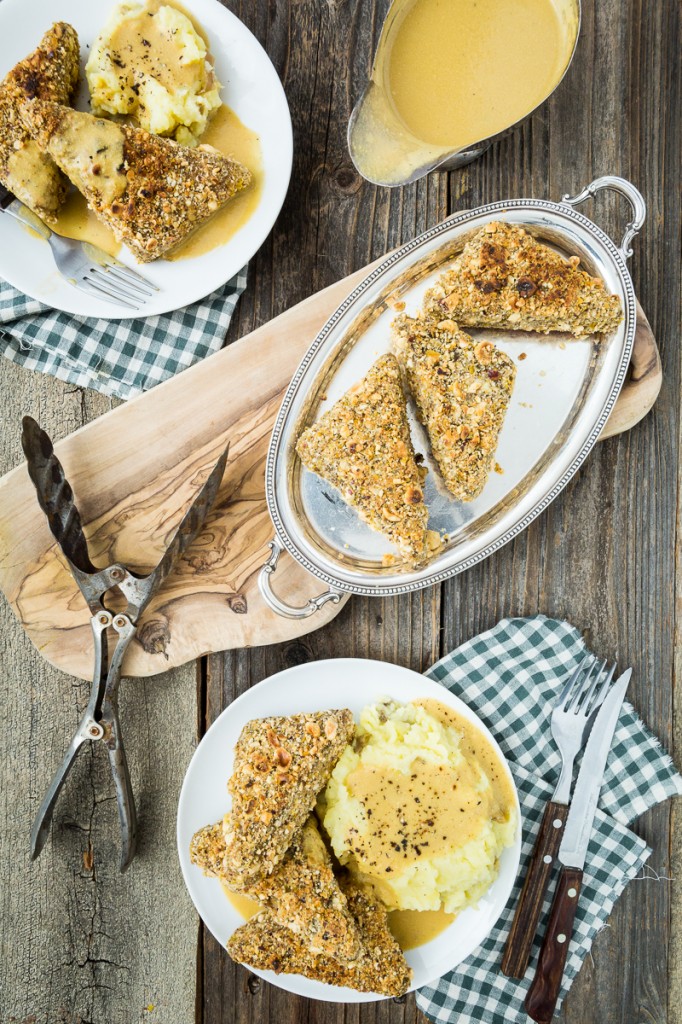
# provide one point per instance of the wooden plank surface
(82, 944)
(132, 498)
(603, 555)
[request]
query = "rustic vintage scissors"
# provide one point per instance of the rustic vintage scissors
(100, 719)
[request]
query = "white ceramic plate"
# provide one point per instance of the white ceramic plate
(316, 686)
(250, 86)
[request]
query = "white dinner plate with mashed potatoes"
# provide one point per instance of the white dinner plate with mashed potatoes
(250, 87)
(315, 686)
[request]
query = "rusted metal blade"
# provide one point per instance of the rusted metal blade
(55, 496)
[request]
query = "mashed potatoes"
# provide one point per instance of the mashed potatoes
(150, 64)
(420, 806)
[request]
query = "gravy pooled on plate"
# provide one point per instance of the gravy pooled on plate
(420, 808)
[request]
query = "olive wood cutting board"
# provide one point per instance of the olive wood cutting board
(135, 470)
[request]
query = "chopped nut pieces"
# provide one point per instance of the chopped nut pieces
(301, 894)
(268, 805)
(150, 191)
(381, 967)
(50, 73)
(207, 849)
(362, 446)
(462, 389)
(506, 278)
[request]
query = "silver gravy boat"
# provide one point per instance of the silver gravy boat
(374, 122)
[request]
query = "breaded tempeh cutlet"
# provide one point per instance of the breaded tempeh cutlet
(263, 944)
(49, 73)
(362, 446)
(301, 894)
(462, 389)
(280, 766)
(207, 849)
(504, 277)
(152, 192)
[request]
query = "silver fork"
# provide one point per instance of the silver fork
(83, 265)
(572, 719)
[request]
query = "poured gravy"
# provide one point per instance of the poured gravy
(459, 71)
(410, 928)
(230, 136)
(424, 813)
(434, 809)
(225, 133)
(242, 904)
(450, 73)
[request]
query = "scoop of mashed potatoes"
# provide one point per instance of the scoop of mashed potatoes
(151, 65)
(420, 807)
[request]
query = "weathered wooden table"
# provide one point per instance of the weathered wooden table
(80, 943)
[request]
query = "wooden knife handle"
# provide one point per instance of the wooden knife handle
(525, 923)
(543, 993)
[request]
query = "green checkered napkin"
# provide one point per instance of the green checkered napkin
(117, 357)
(511, 676)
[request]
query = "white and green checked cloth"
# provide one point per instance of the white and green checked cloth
(511, 676)
(120, 358)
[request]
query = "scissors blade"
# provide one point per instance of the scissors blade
(55, 496)
(189, 528)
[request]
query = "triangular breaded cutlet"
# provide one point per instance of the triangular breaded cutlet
(362, 446)
(263, 944)
(50, 73)
(207, 849)
(152, 192)
(301, 894)
(280, 766)
(462, 389)
(506, 278)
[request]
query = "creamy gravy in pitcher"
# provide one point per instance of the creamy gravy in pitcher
(450, 73)
(459, 71)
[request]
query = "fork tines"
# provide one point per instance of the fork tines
(119, 284)
(587, 687)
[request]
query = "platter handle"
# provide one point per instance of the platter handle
(625, 188)
(279, 606)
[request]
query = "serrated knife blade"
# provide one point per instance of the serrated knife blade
(573, 849)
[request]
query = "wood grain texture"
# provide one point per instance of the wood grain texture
(80, 942)
(542, 996)
(133, 497)
(78, 946)
(524, 926)
(603, 554)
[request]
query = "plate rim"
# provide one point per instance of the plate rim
(323, 991)
(279, 433)
(92, 308)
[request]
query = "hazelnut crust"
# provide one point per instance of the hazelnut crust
(170, 189)
(302, 894)
(270, 804)
(381, 967)
(49, 73)
(362, 446)
(462, 389)
(506, 278)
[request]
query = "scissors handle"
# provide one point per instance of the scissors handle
(114, 742)
(127, 813)
(43, 819)
(88, 729)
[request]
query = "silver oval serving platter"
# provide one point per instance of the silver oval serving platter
(564, 392)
